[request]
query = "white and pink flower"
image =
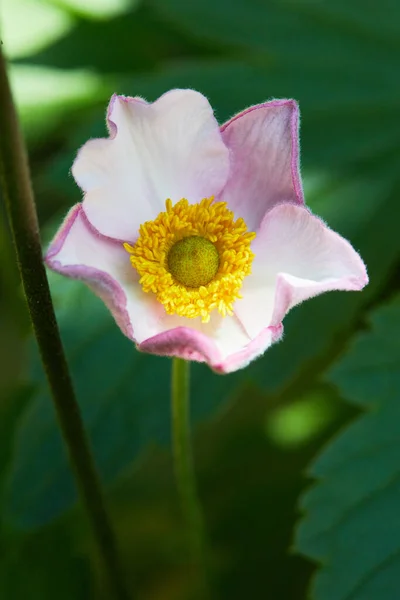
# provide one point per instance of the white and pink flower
(173, 149)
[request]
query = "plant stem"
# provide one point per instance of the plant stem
(184, 471)
(20, 206)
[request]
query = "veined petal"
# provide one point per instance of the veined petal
(296, 257)
(264, 145)
(171, 148)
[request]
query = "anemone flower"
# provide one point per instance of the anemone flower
(196, 236)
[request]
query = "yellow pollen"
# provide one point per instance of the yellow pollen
(194, 258)
(193, 261)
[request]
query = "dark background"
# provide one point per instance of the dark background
(255, 431)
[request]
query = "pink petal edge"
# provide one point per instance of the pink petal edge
(286, 297)
(291, 291)
(100, 282)
(189, 344)
(295, 162)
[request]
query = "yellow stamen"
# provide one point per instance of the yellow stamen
(193, 257)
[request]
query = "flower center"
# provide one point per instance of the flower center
(193, 257)
(193, 261)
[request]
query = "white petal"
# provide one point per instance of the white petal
(224, 346)
(226, 333)
(171, 148)
(296, 257)
(78, 251)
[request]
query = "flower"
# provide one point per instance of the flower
(196, 236)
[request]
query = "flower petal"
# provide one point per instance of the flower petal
(208, 342)
(255, 349)
(296, 257)
(225, 349)
(264, 145)
(171, 148)
(80, 252)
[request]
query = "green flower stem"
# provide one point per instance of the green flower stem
(20, 206)
(184, 471)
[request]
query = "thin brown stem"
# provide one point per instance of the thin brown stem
(20, 206)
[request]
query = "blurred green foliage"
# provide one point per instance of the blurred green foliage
(256, 430)
(352, 524)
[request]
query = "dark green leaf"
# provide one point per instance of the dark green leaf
(280, 29)
(370, 375)
(42, 566)
(351, 524)
(133, 41)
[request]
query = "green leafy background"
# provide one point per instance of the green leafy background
(331, 388)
